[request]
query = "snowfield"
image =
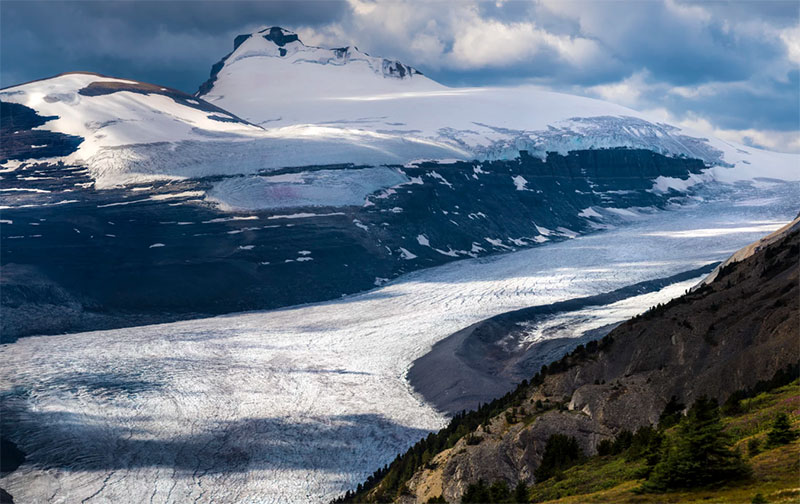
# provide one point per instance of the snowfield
(315, 188)
(305, 105)
(300, 404)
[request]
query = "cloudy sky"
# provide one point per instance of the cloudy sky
(729, 68)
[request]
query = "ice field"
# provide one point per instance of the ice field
(300, 404)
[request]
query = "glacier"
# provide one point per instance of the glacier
(300, 404)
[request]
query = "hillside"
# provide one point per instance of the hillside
(722, 338)
(776, 469)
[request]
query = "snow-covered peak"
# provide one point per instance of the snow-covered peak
(274, 60)
(104, 113)
(274, 80)
(280, 36)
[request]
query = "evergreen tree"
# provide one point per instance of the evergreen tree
(781, 432)
(521, 493)
(646, 444)
(753, 447)
(496, 493)
(477, 493)
(499, 492)
(560, 453)
(672, 413)
(699, 455)
(605, 447)
(436, 500)
(733, 406)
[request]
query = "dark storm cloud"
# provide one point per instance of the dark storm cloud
(782, 13)
(678, 43)
(741, 49)
(770, 105)
(171, 43)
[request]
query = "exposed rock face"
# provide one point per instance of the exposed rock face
(22, 141)
(740, 329)
(725, 336)
(134, 255)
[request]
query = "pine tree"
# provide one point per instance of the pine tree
(753, 447)
(672, 414)
(560, 453)
(781, 432)
(436, 500)
(499, 492)
(699, 455)
(477, 492)
(521, 493)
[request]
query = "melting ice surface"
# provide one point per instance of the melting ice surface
(300, 404)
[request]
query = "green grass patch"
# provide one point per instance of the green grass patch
(594, 475)
(760, 411)
(776, 470)
(776, 478)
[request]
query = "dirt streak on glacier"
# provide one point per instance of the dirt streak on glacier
(300, 404)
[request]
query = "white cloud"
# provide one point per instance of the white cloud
(492, 43)
(439, 36)
(691, 12)
(791, 37)
(626, 92)
(782, 141)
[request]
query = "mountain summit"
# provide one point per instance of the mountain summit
(273, 54)
(341, 94)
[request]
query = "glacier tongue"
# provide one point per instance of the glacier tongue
(300, 404)
(332, 188)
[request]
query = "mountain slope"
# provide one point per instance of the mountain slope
(104, 113)
(167, 250)
(276, 60)
(125, 132)
(273, 79)
(726, 336)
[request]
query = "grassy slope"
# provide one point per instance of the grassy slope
(776, 472)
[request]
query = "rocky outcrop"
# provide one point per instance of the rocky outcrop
(741, 328)
(23, 140)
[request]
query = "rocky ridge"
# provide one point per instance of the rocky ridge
(725, 336)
